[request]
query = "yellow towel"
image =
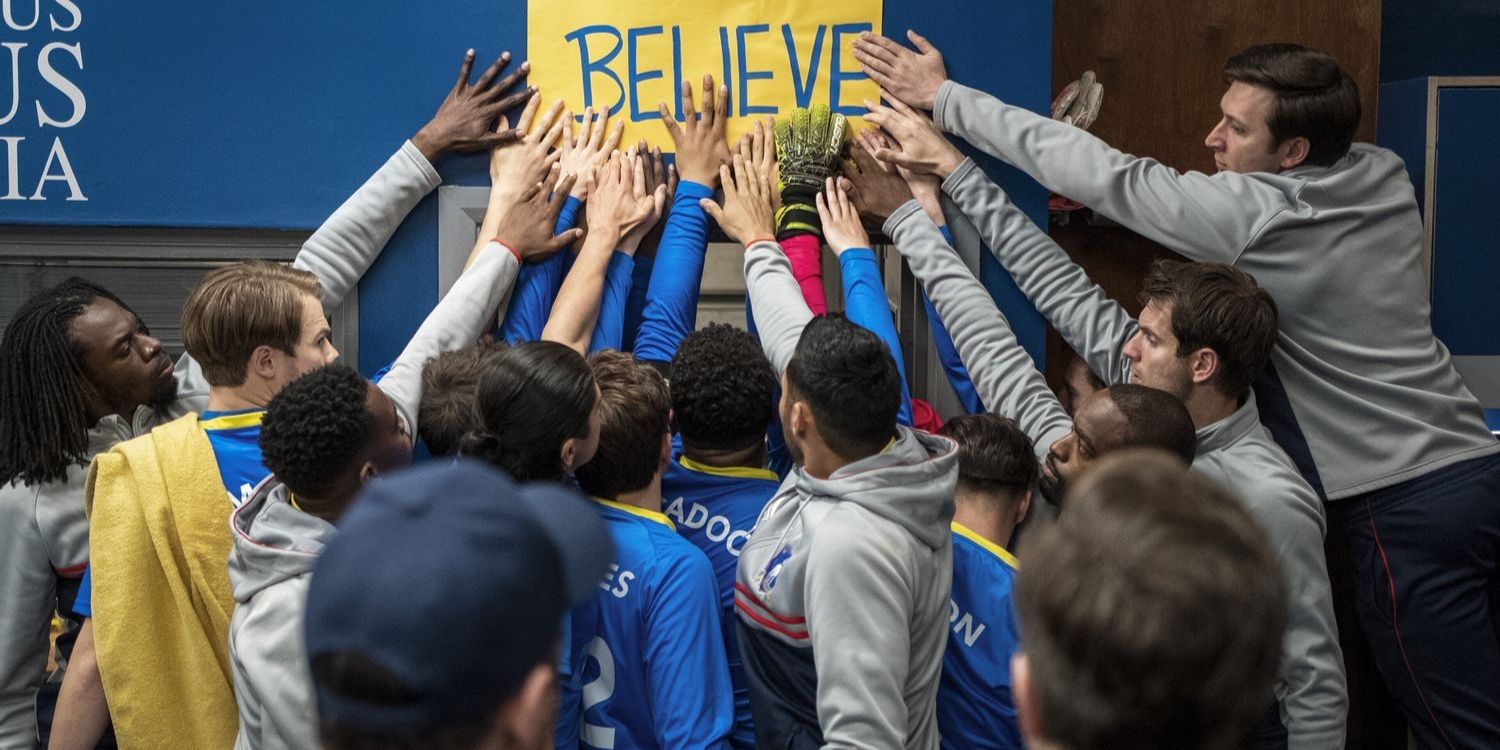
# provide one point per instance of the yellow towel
(159, 544)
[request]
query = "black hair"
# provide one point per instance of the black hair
(531, 399)
(1155, 419)
(316, 428)
(44, 385)
(847, 376)
(723, 389)
(994, 454)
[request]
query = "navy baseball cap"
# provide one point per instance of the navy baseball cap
(444, 588)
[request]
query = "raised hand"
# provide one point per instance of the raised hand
(518, 165)
(875, 188)
(585, 151)
(746, 215)
(841, 227)
(758, 148)
(465, 119)
(699, 139)
(912, 77)
(526, 227)
(661, 183)
(620, 202)
(920, 146)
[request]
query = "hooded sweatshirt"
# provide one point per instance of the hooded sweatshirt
(46, 523)
(270, 567)
(842, 588)
(275, 544)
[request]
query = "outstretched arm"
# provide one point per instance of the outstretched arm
(619, 204)
(865, 303)
(780, 312)
(1003, 373)
(342, 249)
(672, 297)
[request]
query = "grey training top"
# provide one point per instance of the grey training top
(1236, 451)
(1373, 393)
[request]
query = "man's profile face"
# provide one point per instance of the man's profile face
(390, 445)
(314, 347)
(1242, 140)
(126, 365)
(1098, 428)
(1152, 352)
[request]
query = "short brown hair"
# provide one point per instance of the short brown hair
(1314, 97)
(1219, 307)
(450, 388)
(241, 307)
(635, 410)
(1151, 613)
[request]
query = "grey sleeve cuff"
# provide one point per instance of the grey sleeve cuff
(965, 170)
(429, 174)
(940, 112)
(899, 216)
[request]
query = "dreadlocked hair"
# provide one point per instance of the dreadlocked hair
(44, 387)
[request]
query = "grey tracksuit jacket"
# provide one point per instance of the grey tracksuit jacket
(842, 589)
(1370, 392)
(1236, 451)
(46, 530)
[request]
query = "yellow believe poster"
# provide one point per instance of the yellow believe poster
(775, 55)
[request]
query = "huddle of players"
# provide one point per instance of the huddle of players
(794, 565)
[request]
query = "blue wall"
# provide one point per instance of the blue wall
(268, 115)
(1439, 38)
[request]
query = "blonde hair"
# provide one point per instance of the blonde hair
(241, 307)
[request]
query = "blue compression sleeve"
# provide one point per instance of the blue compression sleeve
(536, 287)
(865, 305)
(610, 325)
(672, 299)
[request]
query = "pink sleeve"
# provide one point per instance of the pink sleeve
(805, 251)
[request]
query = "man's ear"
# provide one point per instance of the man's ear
(802, 419)
(666, 450)
(568, 452)
(1293, 151)
(265, 362)
(1022, 507)
(1027, 712)
(526, 719)
(1203, 364)
(367, 472)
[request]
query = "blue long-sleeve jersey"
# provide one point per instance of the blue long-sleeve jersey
(671, 308)
(865, 304)
(609, 328)
(716, 508)
(649, 649)
(537, 285)
(974, 706)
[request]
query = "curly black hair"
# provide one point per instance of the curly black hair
(316, 428)
(723, 388)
